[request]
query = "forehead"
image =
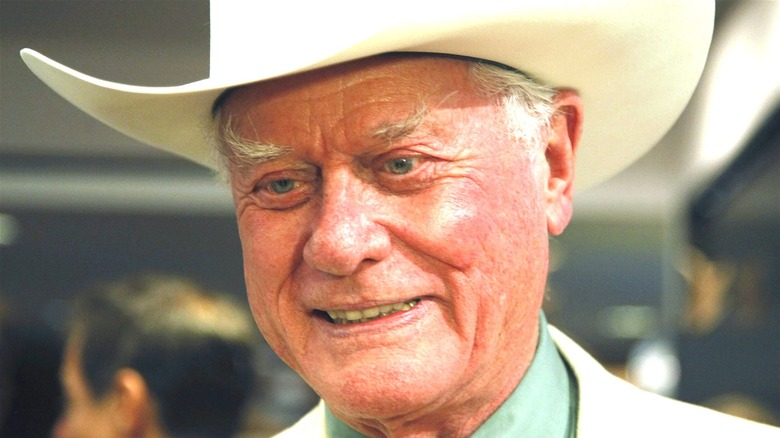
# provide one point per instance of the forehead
(381, 83)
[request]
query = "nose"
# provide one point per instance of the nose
(345, 233)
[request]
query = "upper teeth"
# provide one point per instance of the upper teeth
(353, 316)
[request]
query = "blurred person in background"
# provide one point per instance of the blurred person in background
(156, 356)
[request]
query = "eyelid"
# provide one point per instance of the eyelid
(387, 164)
(380, 160)
(297, 176)
(305, 184)
(422, 175)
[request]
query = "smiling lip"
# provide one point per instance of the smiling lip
(370, 314)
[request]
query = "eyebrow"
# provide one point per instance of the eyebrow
(395, 130)
(255, 153)
(244, 152)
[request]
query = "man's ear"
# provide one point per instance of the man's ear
(131, 404)
(566, 128)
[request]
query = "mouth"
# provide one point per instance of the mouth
(370, 314)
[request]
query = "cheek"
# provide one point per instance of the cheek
(472, 224)
(495, 239)
(269, 252)
(271, 246)
(457, 231)
(84, 420)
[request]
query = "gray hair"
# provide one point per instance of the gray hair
(528, 108)
(234, 150)
(528, 104)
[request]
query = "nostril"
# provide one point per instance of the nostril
(338, 252)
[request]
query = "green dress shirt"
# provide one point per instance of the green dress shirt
(544, 404)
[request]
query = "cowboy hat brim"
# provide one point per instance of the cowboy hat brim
(635, 64)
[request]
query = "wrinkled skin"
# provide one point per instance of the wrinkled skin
(452, 213)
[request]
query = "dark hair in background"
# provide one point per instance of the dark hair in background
(194, 349)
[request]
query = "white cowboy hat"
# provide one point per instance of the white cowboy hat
(635, 63)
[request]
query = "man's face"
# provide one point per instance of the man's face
(83, 414)
(404, 207)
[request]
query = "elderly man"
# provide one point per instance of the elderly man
(396, 177)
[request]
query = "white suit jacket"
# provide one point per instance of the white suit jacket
(609, 407)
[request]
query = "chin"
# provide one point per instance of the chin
(389, 387)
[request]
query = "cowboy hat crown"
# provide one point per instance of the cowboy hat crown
(635, 63)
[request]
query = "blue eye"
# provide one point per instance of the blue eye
(400, 166)
(282, 186)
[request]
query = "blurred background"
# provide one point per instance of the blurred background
(669, 273)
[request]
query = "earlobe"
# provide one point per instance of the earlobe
(565, 131)
(130, 403)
